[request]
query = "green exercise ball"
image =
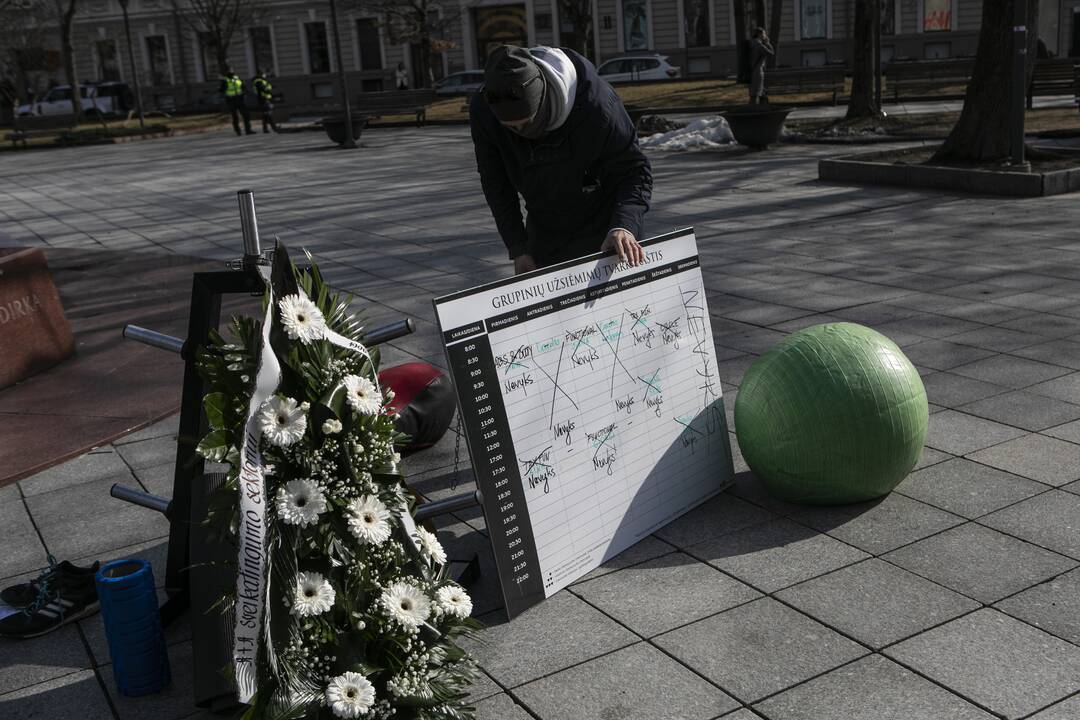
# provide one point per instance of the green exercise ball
(833, 414)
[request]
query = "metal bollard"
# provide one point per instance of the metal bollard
(250, 227)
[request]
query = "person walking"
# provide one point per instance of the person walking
(401, 77)
(264, 95)
(233, 89)
(760, 51)
(547, 128)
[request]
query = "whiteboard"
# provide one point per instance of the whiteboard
(591, 406)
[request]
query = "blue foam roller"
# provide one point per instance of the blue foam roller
(129, 609)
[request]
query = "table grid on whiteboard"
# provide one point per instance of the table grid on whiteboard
(612, 409)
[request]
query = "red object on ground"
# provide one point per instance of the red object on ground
(34, 333)
(424, 400)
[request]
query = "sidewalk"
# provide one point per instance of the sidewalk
(958, 596)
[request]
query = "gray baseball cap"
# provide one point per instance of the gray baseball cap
(513, 84)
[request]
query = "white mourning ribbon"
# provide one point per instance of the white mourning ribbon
(251, 561)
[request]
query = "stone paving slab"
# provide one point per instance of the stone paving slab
(876, 603)
(79, 694)
(879, 526)
(1053, 606)
(872, 688)
(1050, 520)
(758, 649)
(1024, 410)
(999, 663)
(636, 682)
(558, 633)
(500, 707)
(979, 562)
(776, 554)
(664, 593)
(966, 488)
(1064, 710)
(1046, 459)
(959, 433)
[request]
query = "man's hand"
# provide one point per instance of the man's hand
(524, 264)
(625, 245)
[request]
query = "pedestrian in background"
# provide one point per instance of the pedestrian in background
(401, 78)
(233, 89)
(760, 51)
(264, 94)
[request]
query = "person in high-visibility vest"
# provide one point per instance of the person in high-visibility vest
(233, 89)
(264, 93)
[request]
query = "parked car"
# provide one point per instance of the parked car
(460, 83)
(644, 66)
(108, 98)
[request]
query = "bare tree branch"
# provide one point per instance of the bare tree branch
(219, 21)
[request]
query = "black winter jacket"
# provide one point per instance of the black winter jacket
(580, 181)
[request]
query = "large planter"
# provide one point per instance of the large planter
(335, 127)
(756, 126)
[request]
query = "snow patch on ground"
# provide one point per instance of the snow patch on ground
(702, 134)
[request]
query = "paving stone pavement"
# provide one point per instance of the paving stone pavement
(955, 597)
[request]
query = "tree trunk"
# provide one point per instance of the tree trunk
(221, 52)
(862, 103)
(741, 60)
(67, 17)
(982, 132)
(775, 21)
(759, 13)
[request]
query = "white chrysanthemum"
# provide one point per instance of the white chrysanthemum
(282, 421)
(431, 546)
(300, 502)
(369, 520)
(406, 603)
(362, 395)
(350, 695)
(331, 426)
(313, 595)
(453, 600)
(302, 318)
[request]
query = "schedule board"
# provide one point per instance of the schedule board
(591, 406)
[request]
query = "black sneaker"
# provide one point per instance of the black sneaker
(53, 608)
(60, 576)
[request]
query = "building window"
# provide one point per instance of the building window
(108, 68)
(318, 49)
(543, 21)
(812, 15)
(208, 56)
(158, 58)
(262, 48)
(367, 35)
(696, 20)
(937, 15)
(635, 19)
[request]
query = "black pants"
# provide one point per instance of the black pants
(238, 108)
(266, 108)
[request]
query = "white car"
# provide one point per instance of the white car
(460, 83)
(632, 68)
(104, 99)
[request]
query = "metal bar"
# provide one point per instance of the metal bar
(386, 333)
(154, 338)
(249, 226)
(449, 505)
(144, 499)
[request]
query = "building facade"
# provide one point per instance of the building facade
(293, 41)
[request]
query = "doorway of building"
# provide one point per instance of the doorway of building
(499, 25)
(1074, 48)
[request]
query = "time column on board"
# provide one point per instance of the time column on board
(495, 465)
